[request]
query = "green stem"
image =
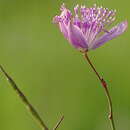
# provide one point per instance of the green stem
(104, 84)
(25, 100)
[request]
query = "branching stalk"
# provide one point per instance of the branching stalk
(25, 100)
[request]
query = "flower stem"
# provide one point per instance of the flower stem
(104, 84)
(25, 100)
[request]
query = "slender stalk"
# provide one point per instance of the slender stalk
(25, 100)
(58, 123)
(104, 84)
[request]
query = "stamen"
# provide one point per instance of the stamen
(76, 9)
(62, 7)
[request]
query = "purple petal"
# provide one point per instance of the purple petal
(76, 37)
(63, 29)
(114, 32)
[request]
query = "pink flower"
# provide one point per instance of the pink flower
(87, 29)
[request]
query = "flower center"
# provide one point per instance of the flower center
(93, 21)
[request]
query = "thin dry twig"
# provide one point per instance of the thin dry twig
(58, 123)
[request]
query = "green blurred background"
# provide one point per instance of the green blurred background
(54, 76)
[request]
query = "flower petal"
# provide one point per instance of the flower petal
(114, 32)
(76, 37)
(63, 29)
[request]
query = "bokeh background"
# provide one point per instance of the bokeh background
(54, 76)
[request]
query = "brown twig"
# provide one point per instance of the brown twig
(24, 99)
(58, 123)
(104, 84)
